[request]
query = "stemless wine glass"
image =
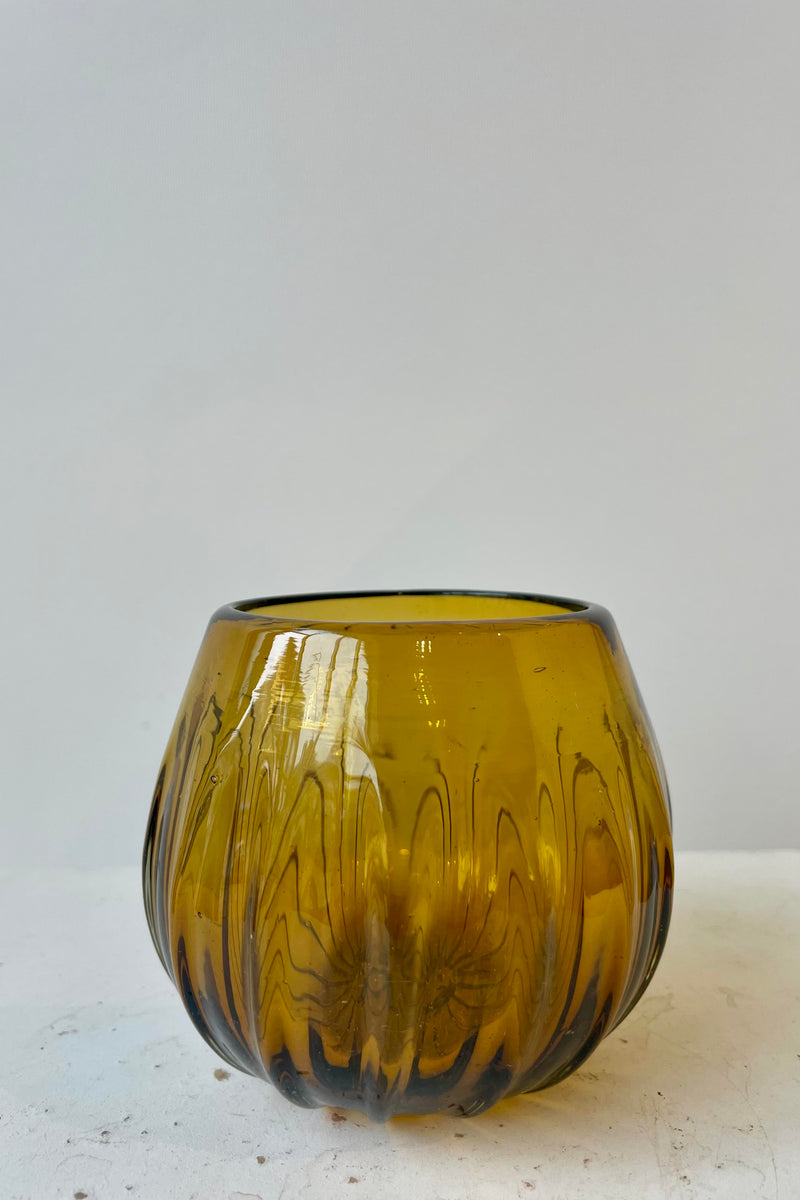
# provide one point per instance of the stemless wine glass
(409, 851)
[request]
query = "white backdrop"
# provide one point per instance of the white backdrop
(325, 295)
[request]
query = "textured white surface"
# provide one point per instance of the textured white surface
(108, 1091)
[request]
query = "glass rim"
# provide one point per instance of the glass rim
(575, 610)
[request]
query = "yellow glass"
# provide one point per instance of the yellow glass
(409, 851)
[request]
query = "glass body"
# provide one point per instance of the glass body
(409, 852)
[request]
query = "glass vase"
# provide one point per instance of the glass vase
(409, 851)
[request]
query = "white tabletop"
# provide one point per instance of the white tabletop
(107, 1090)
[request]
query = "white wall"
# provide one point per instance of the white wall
(327, 295)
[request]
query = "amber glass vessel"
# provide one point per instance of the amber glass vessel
(409, 851)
